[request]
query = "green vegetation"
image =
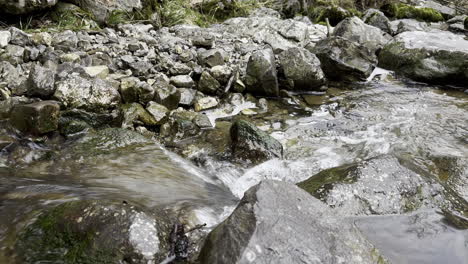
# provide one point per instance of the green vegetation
(335, 11)
(406, 11)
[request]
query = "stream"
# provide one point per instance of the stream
(401, 119)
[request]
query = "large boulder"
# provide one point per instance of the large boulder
(354, 29)
(25, 6)
(276, 222)
(251, 144)
(95, 232)
(301, 69)
(433, 57)
(261, 76)
(376, 186)
(377, 19)
(36, 118)
(345, 60)
(92, 95)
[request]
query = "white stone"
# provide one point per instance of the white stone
(101, 71)
(5, 38)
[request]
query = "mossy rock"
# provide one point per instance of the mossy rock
(94, 232)
(335, 14)
(401, 11)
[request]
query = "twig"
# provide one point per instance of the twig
(195, 228)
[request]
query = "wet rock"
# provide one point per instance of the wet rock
(167, 95)
(433, 57)
(95, 232)
(159, 112)
(92, 95)
(207, 84)
(41, 82)
(36, 118)
(7, 105)
(301, 69)
(135, 114)
(355, 30)
(377, 19)
(277, 222)
(452, 171)
(345, 60)
(71, 127)
(251, 144)
(376, 186)
(212, 57)
(134, 90)
(261, 76)
(180, 126)
(182, 81)
(205, 103)
(5, 38)
(25, 6)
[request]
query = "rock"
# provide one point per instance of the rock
(13, 54)
(207, 84)
(7, 105)
(205, 103)
(159, 112)
(261, 76)
(187, 96)
(377, 19)
(380, 186)
(66, 41)
(101, 71)
(345, 60)
(134, 90)
(180, 126)
(276, 222)
(42, 38)
(25, 6)
(135, 114)
(433, 57)
(221, 73)
(41, 82)
(451, 170)
(36, 118)
(5, 38)
(301, 69)
(404, 25)
(182, 81)
(445, 10)
(167, 95)
(212, 57)
(96, 231)
(102, 9)
(70, 57)
(251, 144)
(355, 30)
(202, 121)
(19, 37)
(92, 95)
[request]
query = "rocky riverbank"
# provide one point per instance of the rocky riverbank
(202, 92)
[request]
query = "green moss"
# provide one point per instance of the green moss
(335, 13)
(406, 11)
(319, 184)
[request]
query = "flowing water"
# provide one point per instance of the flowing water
(379, 118)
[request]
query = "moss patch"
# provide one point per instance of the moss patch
(406, 11)
(334, 12)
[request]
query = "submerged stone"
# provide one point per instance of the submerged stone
(95, 232)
